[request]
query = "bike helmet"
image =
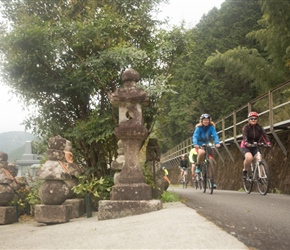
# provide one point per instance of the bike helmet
(163, 167)
(253, 114)
(204, 116)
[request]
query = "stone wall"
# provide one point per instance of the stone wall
(228, 173)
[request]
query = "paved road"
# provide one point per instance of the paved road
(163, 229)
(260, 222)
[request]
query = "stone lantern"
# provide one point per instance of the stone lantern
(130, 195)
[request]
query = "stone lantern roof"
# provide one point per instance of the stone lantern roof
(129, 92)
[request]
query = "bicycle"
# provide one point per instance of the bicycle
(207, 168)
(259, 173)
(184, 179)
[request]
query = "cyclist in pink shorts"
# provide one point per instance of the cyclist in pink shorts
(252, 133)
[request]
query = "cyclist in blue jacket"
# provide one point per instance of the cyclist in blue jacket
(204, 132)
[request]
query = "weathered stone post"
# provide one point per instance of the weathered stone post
(130, 195)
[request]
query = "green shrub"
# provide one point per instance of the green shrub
(275, 191)
(26, 194)
(99, 189)
(169, 197)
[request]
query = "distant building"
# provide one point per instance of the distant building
(29, 162)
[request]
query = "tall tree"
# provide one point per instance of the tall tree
(274, 35)
(64, 57)
(202, 88)
(267, 64)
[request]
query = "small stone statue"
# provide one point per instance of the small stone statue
(7, 180)
(58, 172)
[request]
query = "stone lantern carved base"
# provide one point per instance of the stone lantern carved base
(136, 191)
(109, 209)
(52, 214)
(7, 215)
(78, 207)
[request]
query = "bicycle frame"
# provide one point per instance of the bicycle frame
(256, 169)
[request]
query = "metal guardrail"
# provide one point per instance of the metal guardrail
(273, 108)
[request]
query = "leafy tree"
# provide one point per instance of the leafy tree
(242, 64)
(64, 57)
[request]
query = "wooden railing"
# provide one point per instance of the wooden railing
(274, 112)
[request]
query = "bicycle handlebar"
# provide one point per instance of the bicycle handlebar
(207, 145)
(255, 144)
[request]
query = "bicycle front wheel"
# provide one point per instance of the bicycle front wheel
(184, 183)
(248, 183)
(204, 177)
(210, 179)
(263, 180)
(195, 182)
(200, 182)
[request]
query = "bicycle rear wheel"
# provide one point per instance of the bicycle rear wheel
(263, 181)
(248, 183)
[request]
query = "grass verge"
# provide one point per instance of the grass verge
(169, 197)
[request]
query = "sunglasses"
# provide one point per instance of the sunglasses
(253, 119)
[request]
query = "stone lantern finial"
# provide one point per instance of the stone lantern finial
(130, 76)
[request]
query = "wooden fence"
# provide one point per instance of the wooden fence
(274, 112)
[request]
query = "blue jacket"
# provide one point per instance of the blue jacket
(204, 134)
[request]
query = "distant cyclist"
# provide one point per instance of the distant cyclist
(192, 159)
(183, 166)
(165, 172)
(204, 132)
(252, 132)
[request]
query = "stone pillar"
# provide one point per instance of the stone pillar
(130, 190)
(152, 160)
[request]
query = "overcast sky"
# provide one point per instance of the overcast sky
(191, 11)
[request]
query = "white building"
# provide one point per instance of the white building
(29, 162)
